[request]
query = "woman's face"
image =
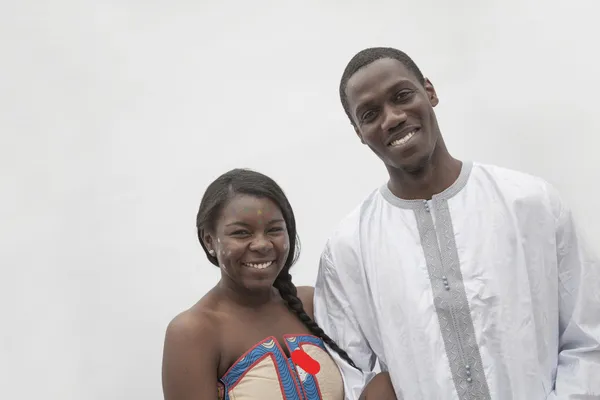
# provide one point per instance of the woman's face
(250, 241)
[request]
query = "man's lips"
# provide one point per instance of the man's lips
(403, 136)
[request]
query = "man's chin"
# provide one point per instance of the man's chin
(413, 165)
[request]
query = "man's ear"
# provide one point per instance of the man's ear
(431, 94)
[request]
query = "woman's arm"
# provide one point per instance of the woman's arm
(190, 359)
(379, 388)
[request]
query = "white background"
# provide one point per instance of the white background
(116, 115)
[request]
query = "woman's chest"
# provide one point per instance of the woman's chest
(241, 332)
(267, 371)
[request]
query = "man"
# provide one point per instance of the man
(462, 280)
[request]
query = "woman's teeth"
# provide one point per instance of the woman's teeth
(402, 141)
(258, 266)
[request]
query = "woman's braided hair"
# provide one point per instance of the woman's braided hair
(288, 292)
(244, 181)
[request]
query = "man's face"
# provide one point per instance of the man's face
(393, 113)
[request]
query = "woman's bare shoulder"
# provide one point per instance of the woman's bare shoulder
(305, 294)
(201, 321)
(191, 354)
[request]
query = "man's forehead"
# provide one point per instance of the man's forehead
(382, 72)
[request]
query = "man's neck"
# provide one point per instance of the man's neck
(435, 177)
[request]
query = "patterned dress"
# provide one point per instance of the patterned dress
(266, 373)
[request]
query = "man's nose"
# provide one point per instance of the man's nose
(393, 116)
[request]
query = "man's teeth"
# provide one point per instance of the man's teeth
(259, 266)
(403, 140)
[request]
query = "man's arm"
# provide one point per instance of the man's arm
(578, 370)
(378, 388)
(334, 315)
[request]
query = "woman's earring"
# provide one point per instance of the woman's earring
(211, 252)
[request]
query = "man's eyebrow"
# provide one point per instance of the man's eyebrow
(367, 100)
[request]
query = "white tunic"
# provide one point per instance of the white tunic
(487, 291)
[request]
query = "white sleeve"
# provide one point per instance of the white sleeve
(578, 369)
(334, 314)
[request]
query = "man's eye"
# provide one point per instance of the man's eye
(403, 95)
(368, 116)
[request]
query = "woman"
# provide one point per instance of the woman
(237, 341)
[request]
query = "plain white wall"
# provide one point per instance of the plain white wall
(115, 116)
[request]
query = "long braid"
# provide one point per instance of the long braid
(289, 294)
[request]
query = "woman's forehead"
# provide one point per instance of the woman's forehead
(244, 206)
